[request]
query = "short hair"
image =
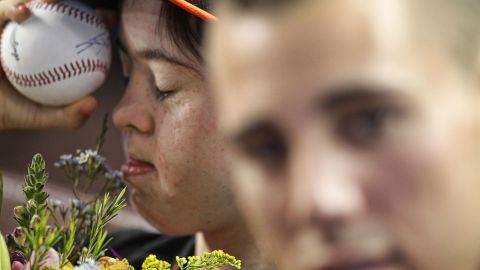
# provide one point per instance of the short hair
(103, 4)
(456, 24)
(252, 5)
(453, 23)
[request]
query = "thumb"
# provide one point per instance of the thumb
(18, 266)
(14, 10)
(71, 116)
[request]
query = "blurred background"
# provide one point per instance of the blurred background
(17, 148)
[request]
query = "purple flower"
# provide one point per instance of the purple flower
(18, 256)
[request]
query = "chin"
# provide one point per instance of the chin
(164, 222)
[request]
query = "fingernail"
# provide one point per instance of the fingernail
(22, 7)
(17, 266)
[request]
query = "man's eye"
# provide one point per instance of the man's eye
(163, 94)
(269, 152)
(365, 127)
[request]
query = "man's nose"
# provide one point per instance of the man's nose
(323, 189)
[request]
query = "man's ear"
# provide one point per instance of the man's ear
(477, 65)
(476, 86)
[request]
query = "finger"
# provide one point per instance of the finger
(71, 117)
(15, 10)
(18, 266)
(79, 112)
(75, 115)
(110, 17)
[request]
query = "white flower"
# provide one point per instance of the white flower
(84, 156)
(90, 264)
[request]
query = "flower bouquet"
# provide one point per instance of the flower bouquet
(72, 236)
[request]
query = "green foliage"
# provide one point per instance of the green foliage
(105, 211)
(40, 239)
(77, 230)
(1, 192)
(209, 260)
(103, 133)
(4, 255)
(152, 263)
(47, 267)
(68, 240)
(33, 216)
(36, 198)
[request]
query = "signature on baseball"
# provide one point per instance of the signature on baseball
(100, 41)
(14, 44)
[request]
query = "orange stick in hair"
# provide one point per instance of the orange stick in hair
(192, 9)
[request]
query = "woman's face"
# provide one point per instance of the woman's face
(176, 169)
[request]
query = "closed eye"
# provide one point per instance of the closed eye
(162, 95)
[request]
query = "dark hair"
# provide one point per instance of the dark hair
(256, 5)
(103, 4)
(184, 29)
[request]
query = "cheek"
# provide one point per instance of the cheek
(184, 130)
(421, 173)
(425, 191)
(262, 203)
(187, 145)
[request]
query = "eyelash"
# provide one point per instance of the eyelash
(160, 94)
(163, 94)
(368, 125)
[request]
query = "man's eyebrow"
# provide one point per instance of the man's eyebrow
(348, 94)
(254, 127)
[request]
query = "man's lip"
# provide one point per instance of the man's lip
(136, 167)
(361, 265)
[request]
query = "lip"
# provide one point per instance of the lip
(380, 264)
(367, 265)
(135, 167)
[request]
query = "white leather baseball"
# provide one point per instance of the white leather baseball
(57, 56)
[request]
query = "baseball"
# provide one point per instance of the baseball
(57, 56)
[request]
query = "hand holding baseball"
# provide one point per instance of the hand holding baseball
(18, 112)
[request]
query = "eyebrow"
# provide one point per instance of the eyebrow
(339, 96)
(153, 54)
(255, 127)
(353, 93)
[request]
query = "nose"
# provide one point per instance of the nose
(134, 111)
(323, 189)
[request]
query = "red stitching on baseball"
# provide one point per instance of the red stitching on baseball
(79, 68)
(71, 11)
(57, 73)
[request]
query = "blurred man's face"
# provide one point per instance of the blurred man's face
(355, 141)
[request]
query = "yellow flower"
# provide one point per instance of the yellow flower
(152, 263)
(68, 266)
(108, 263)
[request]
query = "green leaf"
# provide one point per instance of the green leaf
(101, 138)
(1, 192)
(4, 257)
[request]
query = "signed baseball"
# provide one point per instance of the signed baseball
(57, 56)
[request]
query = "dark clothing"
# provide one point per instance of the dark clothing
(136, 245)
